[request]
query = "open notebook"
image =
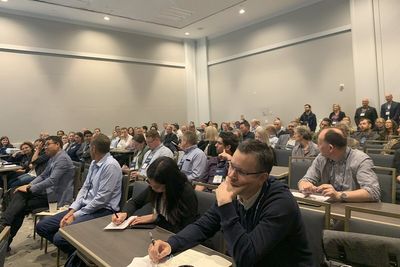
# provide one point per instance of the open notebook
(188, 257)
(312, 196)
(122, 226)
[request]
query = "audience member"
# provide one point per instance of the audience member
(140, 148)
(208, 144)
(351, 142)
(339, 172)
(60, 133)
(304, 146)
(271, 131)
(260, 220)
(55, 184)
(170, 138)
(171, 195)
(193, 161)
(83, 152)
(73, 149)
(245, 129)
(125, 139)
(99, 196)
(255, 124)
(4, 144)
(64, 139)
(336, 115)
(390, 109)
(390, 129)
(365, 111)
(287, 141)
(308, 118)
(279, 127)
(114, 139)
(22, 158)
(365, 133)
(379, 128)
(71, 140)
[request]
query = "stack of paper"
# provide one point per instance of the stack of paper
(312, 196)
(122, 226)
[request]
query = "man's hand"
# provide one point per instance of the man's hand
(398, 179)
(159, 250)
(22, 188)
(327, 190)
(224, 156)
(144, 219)
(225, 192)
(121, 218)
(67, 219)
(307, 188)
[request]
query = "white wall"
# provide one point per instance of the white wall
(63, 76)
(275, 67)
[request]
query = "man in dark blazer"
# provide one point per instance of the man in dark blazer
(390, 109)
(365, 111)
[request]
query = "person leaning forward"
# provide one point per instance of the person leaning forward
(259, 218)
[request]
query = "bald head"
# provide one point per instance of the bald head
(388, 97)
(365, 102)
(333, 136)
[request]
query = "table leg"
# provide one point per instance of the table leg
(4, 176)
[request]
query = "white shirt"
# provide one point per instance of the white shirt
(124, 143)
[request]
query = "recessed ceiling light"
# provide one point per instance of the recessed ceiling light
(4, 0)
(106, 18)
(186, 33)
(242, 11)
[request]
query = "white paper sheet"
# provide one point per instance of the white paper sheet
(312, 196)
(122, 226)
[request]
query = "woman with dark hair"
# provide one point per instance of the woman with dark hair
(22, 158)
(171, 195)
(4, 144)
(131, 131)
(72, 151)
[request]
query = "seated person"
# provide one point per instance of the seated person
(324, 124)
(83, 152)
(125, 139)
(379, 128)
(351, 142)
(193, 162)
(245, 129)
(140, 148)
(217, 167)
(171, 195)
(170, 138)
(55, 184)
(74, 147)
(271, 131)
(287, 141)
(99, 196)
(259, 217)
(4, 144)
(208, 144)
(114, 139)
(304, 146)
(365, 133)
(22, 158)
(339, 172)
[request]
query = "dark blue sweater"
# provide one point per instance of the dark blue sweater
(270, 233)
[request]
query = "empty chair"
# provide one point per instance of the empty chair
(357, 249)
(387, 183)
(282, 157)
(124, 191)
(298, 167)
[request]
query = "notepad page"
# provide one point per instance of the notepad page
(126, 223)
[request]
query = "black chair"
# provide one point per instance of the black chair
(138, 188)
(387, 183)
(382, 160)
(4, 236)
(357, 249)
(124, 191)
(369, 226)
(282, 157)
(298, 167)
(205, 201)
(77, 180)
(315, 221)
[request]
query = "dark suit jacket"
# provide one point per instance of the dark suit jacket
(370, 114)
(394, 111)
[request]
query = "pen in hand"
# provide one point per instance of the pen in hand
(151, 238)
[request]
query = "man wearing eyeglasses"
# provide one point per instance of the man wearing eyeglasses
(259, 218)
(54, 184)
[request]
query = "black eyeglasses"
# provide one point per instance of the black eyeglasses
(241, 172)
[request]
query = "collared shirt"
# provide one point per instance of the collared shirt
(57, 180)
(352, 172)
(193, 163)
(152, 155)
(312, 151)
(102, 187)
(125, 142)
(247, 204)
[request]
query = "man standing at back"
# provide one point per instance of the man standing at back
(308, 118)
(259, 217)
(54, 184)
(390, 109)
(365, 111)
(99, 196)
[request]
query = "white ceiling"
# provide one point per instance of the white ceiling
(167, 18)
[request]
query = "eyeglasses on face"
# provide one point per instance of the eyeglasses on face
(240, 172)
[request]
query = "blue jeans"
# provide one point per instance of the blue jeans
(48, 228)
(20, 180)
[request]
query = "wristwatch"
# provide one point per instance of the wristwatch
(343, 197)
(28, 188)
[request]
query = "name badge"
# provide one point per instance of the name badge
(144, 166)
(387, 113)
(362, 114)
(217, 179)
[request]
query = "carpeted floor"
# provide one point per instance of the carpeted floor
(25, 251)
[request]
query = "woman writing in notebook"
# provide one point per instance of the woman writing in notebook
(171, 195)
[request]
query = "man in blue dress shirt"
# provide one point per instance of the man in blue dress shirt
(99, 196)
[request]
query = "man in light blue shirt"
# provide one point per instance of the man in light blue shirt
(99, 196)
(193, 163)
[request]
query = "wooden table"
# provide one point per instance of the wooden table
(279, 172)
(4, 171)
(114, 248)
(123, 151)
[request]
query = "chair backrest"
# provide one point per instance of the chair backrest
(315, 221)
(4, 236)
(77, 180)
(298, 167)
(124, 191)
(205, 201)
(387, 183)
(382, 160)
(357, 249)
(371, 226)
(282, 157)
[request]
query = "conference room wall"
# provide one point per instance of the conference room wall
(64, 76)
(272, 68)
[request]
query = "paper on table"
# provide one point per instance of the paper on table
(312, 196)
(126, 223)
(188, 257)
(9, 166)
